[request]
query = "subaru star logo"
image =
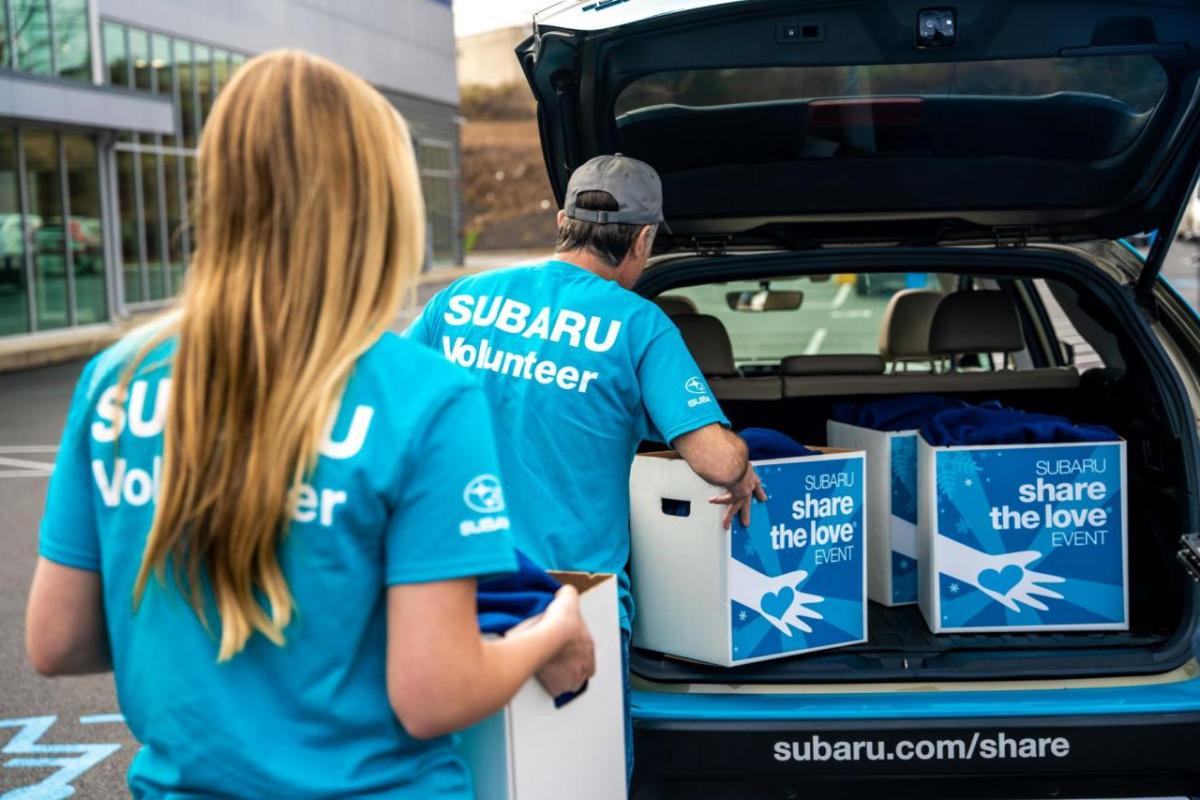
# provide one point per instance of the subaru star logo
(484, 495)
(695, 386)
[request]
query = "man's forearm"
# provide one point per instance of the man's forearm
(715, 454)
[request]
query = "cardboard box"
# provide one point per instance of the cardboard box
(1005, 528)
(743, 595)
(891, 508)
(531, 750)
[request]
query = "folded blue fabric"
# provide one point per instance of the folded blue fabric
(505, 602)
(995, 424)
(766, 443)
(903, 413)
(509, 600)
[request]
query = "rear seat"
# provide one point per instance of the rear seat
(974, 323)
(904, 334)
(964, 323)
(709, 344)
(673, 305)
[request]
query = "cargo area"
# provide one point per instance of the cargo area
(1076, 358)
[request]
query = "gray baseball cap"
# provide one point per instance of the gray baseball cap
(633, 184)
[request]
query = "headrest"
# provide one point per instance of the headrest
(866, 364)
(673, 305)
(904, 335)
(709, 344)
(976, 322)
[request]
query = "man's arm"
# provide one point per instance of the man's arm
(720, 457)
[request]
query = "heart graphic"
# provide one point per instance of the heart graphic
(1001, 581)
(777, 604)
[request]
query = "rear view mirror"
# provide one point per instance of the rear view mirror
(764, 300)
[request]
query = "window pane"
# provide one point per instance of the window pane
(174, 220)
(131, 249)
(202, 63)
(221, 68)
(71, 38)
(31, 29)
(84, 229)
(160, 60)
(46, 228)
(187, 101)
(236, 60)
(155, 262)
(5, 53)
(14, 300)
(139, 53)
(116, 59)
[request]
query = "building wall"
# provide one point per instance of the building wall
(403, 45)
(101, 104)
(487, 59)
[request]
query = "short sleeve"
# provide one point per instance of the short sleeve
(676, 398)
(69, 532)
(423, 329)
(450, 521)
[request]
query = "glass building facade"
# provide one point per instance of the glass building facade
(94, 221)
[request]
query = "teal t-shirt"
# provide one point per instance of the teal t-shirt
(405, 491)
(578, 372)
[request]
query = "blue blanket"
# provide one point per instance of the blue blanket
(765, 443)
(509, 600)
(995, 424)
(505, 602)
(903, 413)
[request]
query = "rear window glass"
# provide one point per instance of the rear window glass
(839, 315)
(1065, 108)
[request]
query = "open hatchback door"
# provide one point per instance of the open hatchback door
(795, 124)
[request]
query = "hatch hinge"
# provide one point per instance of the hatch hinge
(1145, 301)
(1012, 236)
(710, 245)
(1189, 554)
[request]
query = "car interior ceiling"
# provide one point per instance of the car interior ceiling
(924, 326)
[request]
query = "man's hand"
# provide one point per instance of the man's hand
(738, 496)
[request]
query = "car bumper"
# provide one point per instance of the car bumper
(1101, 742)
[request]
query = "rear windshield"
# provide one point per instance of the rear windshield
(1064, 108)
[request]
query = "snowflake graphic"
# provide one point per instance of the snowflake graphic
(748, 548)
(962, 526)
(904, 563)
(742, 616)
(968, 482)
(954, 588)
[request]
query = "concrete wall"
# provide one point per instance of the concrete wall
(487, 59)
(402, 45)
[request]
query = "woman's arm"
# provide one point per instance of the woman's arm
(65, 632)
(443, 676)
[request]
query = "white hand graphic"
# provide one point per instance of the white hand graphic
(778, 600)
(995, 575)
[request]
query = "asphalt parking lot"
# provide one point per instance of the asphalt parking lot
(65, 737)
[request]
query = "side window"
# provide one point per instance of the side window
(1085, 355)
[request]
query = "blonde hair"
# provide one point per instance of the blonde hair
(310, 228)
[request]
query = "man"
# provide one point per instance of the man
(579, 370)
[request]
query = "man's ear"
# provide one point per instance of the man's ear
(645, 241)
(562, 216)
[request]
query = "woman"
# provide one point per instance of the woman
(259, 518)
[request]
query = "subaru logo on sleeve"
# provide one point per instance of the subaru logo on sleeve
(695, 386)
(483, 494)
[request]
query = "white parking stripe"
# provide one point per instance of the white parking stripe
(28, 448)
(839, 299)
(814, 344)
(23, 473)
(20, 462)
